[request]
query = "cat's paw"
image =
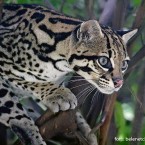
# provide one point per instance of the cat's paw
(85, 129)
(63, 99)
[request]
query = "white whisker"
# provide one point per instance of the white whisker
(72, 81)
(97, 92)
(73, 76)
(79, 86)
(133, 94)
(88, 95)
(84, 92)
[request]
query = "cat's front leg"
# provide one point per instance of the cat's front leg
(13, 115)
(53, 96)
(85, 129)
(60, 98)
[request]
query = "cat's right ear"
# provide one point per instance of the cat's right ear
(89, 30)
(127, 35)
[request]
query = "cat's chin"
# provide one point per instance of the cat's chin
(108, 91)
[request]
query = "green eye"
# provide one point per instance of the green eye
(124, 65)
(104, 62)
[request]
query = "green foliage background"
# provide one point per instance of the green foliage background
(124, 108)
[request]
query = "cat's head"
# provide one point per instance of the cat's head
(99, 55)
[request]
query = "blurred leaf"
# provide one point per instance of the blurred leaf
(56, 3)
(136, 2)
(119, 119)
(128, 111)
(143, 133)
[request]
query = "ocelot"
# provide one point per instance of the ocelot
(38, 50)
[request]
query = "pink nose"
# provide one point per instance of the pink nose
(118, 82)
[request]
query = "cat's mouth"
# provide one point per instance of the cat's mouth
(111, 86)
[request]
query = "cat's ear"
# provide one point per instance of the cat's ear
(126, 35)
(88, 30)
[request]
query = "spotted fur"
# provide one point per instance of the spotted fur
(39, 48)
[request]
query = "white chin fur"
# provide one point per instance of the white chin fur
(109, 91)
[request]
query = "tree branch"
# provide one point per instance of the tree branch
(119, 14)
(62, 5)
(109, 111)
(51, 124)
(140, 17)
(89, 5)
(138, 23)
(107, 14)
(48, 4)
(135, 60)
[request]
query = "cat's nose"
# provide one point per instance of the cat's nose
(118, 82)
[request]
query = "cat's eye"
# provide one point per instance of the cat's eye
(104, 62)
(124, 65)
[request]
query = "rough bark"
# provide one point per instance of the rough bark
(61, 123)
(104, 129)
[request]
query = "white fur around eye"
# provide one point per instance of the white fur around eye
(124, 66)
(112, 62)
(127, 58)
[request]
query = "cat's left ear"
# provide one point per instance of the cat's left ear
(126, 35)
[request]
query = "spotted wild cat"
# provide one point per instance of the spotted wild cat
(39, 48)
